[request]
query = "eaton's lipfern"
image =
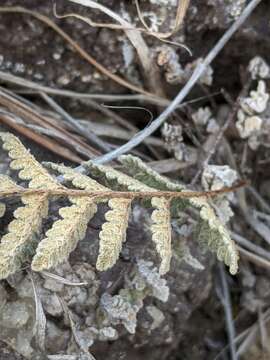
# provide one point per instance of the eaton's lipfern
(29, 168)
(113, 230)
(23, 232)
(211, 232)
(161, 224)
(143, 173)
(23, 241)
(113, 233)
(161, 231)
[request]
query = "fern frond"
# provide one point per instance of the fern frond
(161, 231)
(115, 177)
(19, 243)
(212, 233)
(161, 227)
(29, 168)
(78, 180)
(64, 235)
(141, 172)
(55, 249)
(215, 236)
(113, 233)
(21, 240)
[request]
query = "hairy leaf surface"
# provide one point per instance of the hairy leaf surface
(22, 240)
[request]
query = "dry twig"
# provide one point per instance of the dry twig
(226, 302)
(93, 138)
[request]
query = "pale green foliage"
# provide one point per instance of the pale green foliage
(161, 224)
(113, 233)
(212, 234)
(21, 241)
(76, 218)
(161, 231)
(64, 235)
(29, 168)
(117, 179)
(143, 173)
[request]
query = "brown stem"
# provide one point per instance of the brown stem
(121, 194)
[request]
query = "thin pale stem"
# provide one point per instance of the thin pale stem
(198, 72)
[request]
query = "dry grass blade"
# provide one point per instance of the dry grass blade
(254, 332)
(36, 88)
(182, 8)
(74, 330)
(181, 11)
(62, 357)
(258, 226)
(41, 140)
(2, 209)
(62, 280)
(263, 333)
(30, 115)
(89, 21)
(40, 324)
(255, 259)
(251, 246)
(248, 335)
(91, 136)
(226, 302)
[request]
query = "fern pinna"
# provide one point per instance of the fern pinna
(22, 241)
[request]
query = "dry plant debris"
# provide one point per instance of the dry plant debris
(49, 221)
